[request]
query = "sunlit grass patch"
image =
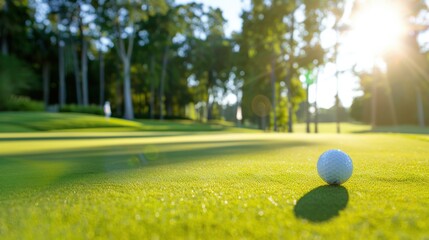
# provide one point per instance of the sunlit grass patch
(223, 185)
(41, 121)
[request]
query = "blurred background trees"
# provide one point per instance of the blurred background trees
(158, 59)
(397, 89)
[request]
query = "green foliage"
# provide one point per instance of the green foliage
(405, 79)
(161, 38)
(15, 77)
(211, 59)
(20, 103)
(91, 109)
(272, 32)
(282, 114)
(356, 110)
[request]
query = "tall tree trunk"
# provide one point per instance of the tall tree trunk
(46, 76)
(289, 75)
(152, 87)
(4, 43)
(101, 73)
(140, 96)
(290, 111)
(129, 111)
(280, 126)
(391, 104)
(61, 71)
(84, 62)
(264, 123)
(161, 84)
(273, 89)
(316, 110)
(337, 114)
(208, 113)
(420, 109)
(209, 106)
(373, 103)
(125, 55)
(119, 97)
(77, 75)
(307, 111)
(337, 97)
(290, 99)
(169, 105)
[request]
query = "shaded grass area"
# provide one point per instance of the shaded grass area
(10, 127)
(322, 203)
(264, 186)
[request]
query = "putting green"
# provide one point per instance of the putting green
(174, 185)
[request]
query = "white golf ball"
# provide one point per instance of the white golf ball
(335, 167)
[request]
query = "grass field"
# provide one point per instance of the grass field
(72, 122)
(216, 185)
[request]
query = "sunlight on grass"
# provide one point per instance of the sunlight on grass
(161, 186)
(332, 128)
(40, 121)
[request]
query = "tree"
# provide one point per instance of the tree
(210, 56)
(276, 43)
(82, 25)
(41, 35)
(396, 94)
(127, 15)
(15, 77)
(4, 27)
(58, 11)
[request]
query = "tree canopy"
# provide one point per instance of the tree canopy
(160, 59)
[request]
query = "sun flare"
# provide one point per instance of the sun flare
(376, 28)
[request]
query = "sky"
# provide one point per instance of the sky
(327, 81)
(231, 11)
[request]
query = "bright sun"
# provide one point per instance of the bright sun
(375, 29)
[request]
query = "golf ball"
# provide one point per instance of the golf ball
(335, 167)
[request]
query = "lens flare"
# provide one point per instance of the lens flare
(377, 28)
(261, 105)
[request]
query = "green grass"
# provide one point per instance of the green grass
(361, 128)
(72, 122)
(42, 121)
(151, 185)
(403, 129)
(332, 128)
(191, 126)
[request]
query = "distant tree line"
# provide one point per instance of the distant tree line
(399, 94)
(158, 59)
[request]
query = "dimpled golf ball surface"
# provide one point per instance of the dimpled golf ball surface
(335, 167)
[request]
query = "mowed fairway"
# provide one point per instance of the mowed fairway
(175, 185)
